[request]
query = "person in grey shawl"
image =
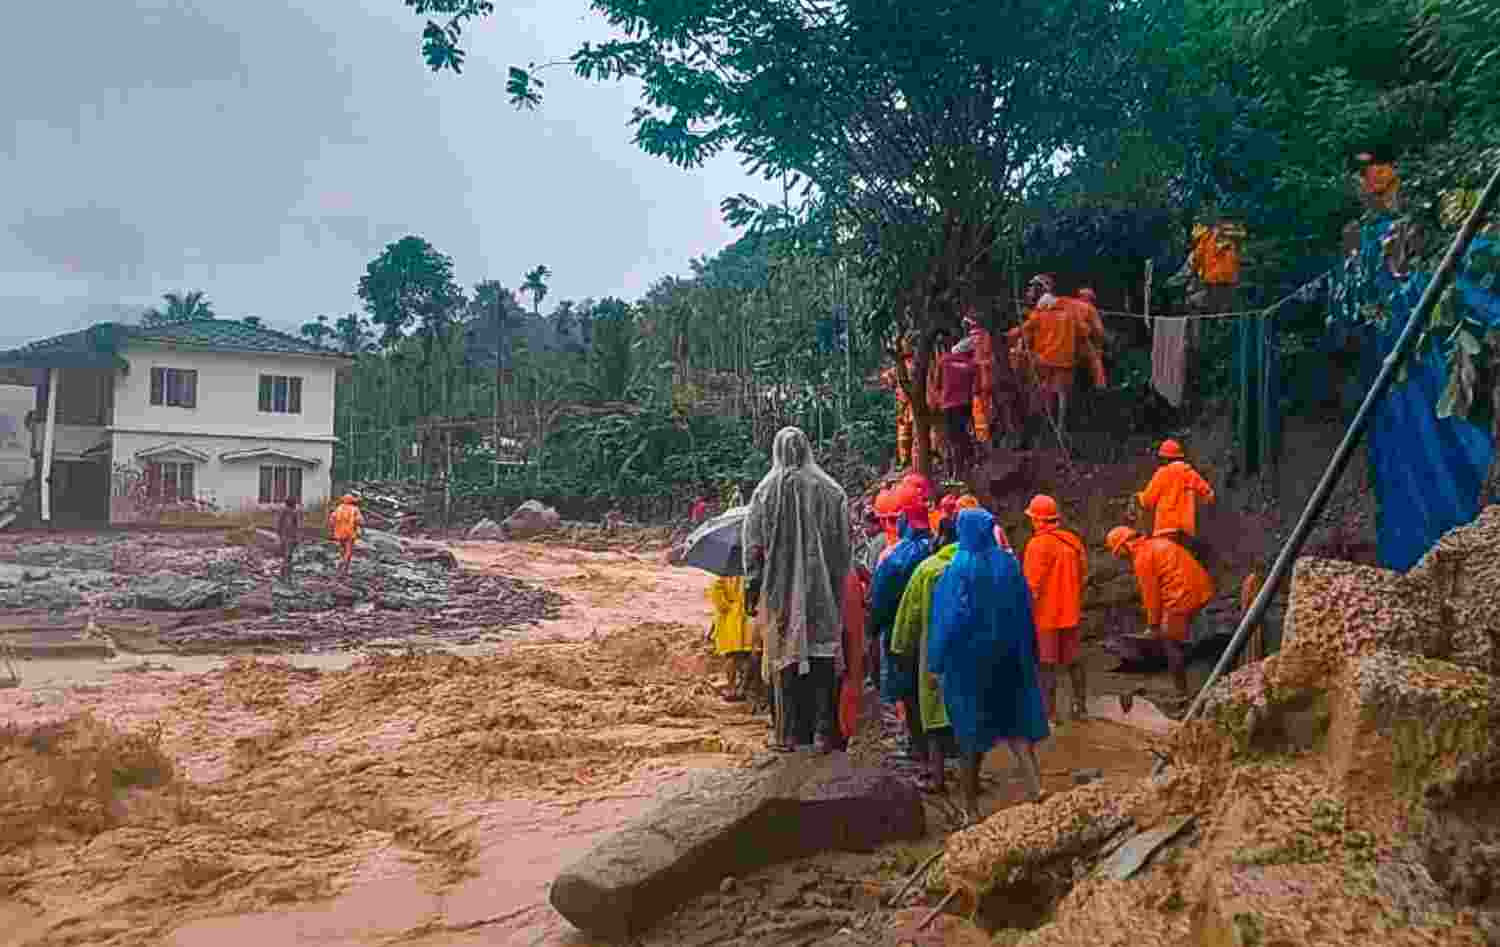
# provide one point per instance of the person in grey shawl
(797, 553)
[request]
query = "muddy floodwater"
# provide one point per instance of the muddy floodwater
(351, 797)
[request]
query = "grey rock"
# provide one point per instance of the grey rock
(730, 823)
(384, 544)
(531, 518)
(486, 529)
(66, 556)
(174, 593)
(1129, 858)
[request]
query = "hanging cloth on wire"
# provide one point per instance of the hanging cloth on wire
(1169, 358)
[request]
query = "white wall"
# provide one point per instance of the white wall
(15, 441)
(233, 486)
(228, 395)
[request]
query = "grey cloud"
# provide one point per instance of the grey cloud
(88, 241)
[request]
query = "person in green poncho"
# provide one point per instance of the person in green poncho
(908, 635)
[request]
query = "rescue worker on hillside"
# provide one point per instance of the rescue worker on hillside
(1056, 568)
(958, 372)
(1091, 336)
(1174, 588)
(981, 345)
(1173, 494)
(909, 638)
(346, 523)
(905, 424)
(1050, 335)
(1379, 186)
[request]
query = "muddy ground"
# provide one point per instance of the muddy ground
(358, 793)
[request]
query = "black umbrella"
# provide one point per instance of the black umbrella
(715, 546)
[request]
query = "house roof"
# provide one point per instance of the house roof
(100, 344)
(267, 453)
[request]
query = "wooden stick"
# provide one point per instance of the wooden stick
(921, 869)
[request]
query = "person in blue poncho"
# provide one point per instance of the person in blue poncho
(898, 673)
(982, 646)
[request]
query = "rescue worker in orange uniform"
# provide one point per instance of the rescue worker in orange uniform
(1174, 587)
(1050, 333)
(1173, 493)
(1056, 568)
(904, 422)
(1091, 337)
(981, 345)
(346, 523)
(1379, 186)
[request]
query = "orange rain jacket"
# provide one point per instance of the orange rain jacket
(1173, 494)
(346, 521)
(1051, 333)
(1171, 581)
(1215, 257)
(1056, 568)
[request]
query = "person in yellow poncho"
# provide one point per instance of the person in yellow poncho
(731, 633)
(909, 634)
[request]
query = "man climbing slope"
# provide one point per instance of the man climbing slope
(1174, 492)
(1056, 567)
(1050, 333)
(1174, 588)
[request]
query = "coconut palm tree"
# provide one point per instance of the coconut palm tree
(180, 307)
(536, 287)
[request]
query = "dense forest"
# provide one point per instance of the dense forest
(932, 157)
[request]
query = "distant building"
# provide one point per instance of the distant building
(210, 414)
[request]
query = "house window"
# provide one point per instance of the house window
(176, 387)
(278, 483)
(281, 394)
(169, 481)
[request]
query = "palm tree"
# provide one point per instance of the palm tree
(536, 286)
(180, 307)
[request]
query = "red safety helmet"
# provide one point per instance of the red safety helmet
(1170, 450)
(1043, 509)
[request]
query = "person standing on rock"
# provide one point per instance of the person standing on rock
(1174, 588)
(797, 555)
(288, 528)
(982, 645)
(346, 523)
(1056, 566)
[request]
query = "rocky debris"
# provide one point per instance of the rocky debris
(383, 543)
(1128, 859)
(173, 593)
(730, 823)
(486, 529)
(51, 589)
(1034, 843)
(77, 556)
(393, 506)
(531, 519)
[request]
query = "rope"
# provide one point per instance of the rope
(1193, 317)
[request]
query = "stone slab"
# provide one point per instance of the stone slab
(730, 823)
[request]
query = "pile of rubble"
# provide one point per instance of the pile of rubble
(1345, 772)
(192, 593)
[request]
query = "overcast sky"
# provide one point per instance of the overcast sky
(264, 152)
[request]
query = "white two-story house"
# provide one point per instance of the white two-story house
(210, 415)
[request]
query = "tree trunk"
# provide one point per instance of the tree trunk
(921, 419)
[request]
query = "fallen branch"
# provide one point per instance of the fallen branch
(921, 870)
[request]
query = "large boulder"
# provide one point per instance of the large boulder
(166, 592)
(486, 529)
(730, 823)
(383, 544)
(531, 518)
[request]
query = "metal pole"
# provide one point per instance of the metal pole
(49, 440)
(1346, 447)
(1345, 450)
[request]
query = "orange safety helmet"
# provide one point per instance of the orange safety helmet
(348, 498)
(1118, 538)
(1170, 450)
(1087, 294)
(968, 502)
(1043, 509)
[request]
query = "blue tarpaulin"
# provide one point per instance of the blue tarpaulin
(1427, 471)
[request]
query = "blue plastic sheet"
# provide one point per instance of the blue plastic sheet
(1427, 470)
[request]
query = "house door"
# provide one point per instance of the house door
(80, 490)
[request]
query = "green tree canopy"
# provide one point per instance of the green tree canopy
(180, 307)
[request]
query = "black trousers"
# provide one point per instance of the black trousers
(809, 703)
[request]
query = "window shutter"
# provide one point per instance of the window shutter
(190, 389)
(185, 486)
(265, 394)
(294, 396)
(158, 385)
(294, 482)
